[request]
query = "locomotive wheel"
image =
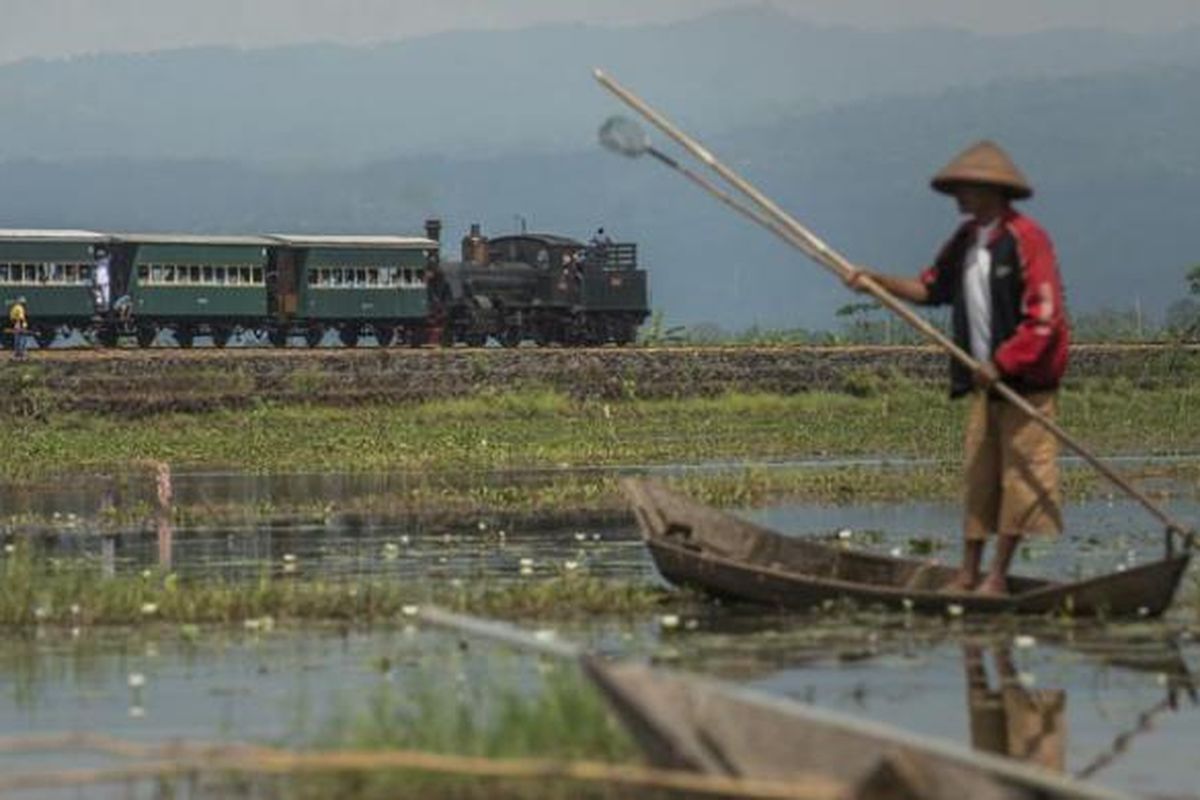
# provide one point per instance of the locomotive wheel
(146, 334)
(221, 336)
(510, 337)
(348, 337)
(185, 336)
(44, 337)
(385, 335)
(313, 336)
(278, 337)
(475, 339)
(105, 336)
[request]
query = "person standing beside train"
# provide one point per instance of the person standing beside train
(101, 278)
(999, 273)
(18, 322)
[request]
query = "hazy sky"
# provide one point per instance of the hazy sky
(52, 28)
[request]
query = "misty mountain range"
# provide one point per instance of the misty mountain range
(843, 127)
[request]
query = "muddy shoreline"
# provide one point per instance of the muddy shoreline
(151, 381)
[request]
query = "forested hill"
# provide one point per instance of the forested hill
(1111, 153)
(503, 91)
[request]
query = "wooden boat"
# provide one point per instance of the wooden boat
(686, 722)
(697, 546)
(682, 721)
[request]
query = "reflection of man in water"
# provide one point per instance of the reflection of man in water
(100, 277)
(1025, 724)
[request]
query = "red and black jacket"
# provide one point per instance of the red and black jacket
(1029, 321)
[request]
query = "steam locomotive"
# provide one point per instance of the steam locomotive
(524, 287)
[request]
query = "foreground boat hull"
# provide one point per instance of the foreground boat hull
(705, 549)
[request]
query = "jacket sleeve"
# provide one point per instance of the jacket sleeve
(939, 277)
(1041, 306)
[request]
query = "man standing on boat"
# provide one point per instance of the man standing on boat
(998, 272)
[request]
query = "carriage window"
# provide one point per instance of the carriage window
(234, 276)
(221, 274)
(373, 276)
(314, 277)
(208, 274)
(156, 273)
(420, 276)
(258, 274)
(85, 273)
(247, 274)
(71, 273)
(193, 273)
(3, 272)
(143, 272)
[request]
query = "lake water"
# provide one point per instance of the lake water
(1118, 699)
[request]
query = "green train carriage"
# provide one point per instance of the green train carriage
(354, 285)
(188, 284)
(52, 270)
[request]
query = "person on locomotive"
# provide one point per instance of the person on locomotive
(599, 245)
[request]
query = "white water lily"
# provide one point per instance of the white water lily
(1024, 642)
(149, 609)
(136, 680)
(669, 620)
(845, 533)
(409, 610)
(570, 566)
(954, 610)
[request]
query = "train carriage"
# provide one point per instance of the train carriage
(355, 285)
(191, 285)
(52, 270)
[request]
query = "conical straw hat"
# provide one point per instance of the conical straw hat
(983, 162)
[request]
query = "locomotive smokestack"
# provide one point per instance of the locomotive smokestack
(474, 247)
(433, 229)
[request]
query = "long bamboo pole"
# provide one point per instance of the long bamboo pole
(804, 239)
(181, 759)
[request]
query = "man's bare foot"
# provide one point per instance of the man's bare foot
(961, 583)
(993, 586)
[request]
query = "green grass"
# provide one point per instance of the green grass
(76, 593)
(547, 430)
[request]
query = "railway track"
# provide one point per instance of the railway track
(54, 355)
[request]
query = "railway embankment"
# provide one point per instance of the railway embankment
(161, 380)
